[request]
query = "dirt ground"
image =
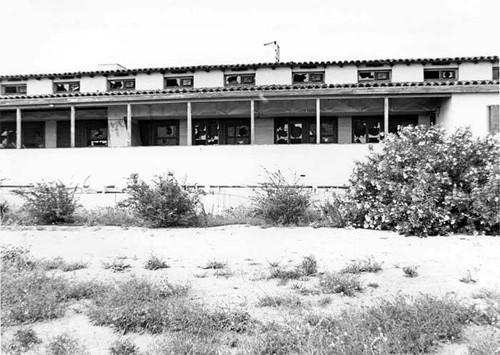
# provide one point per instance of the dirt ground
(248, 252)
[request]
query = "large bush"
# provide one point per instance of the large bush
(50, 202)
(279, 201)
(164, 203)
(427, 182)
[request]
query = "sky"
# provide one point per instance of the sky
(53, 36)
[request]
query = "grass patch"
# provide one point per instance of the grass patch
(187, 344)
(289, 301)
(116, 265)
(214, 265)
(107, 216)
(359, 266)
(65, 344)
(484, 341)
(308, 266)
(339, 283)
(123, 347)
(468, 278)
(61, 264)
(410, 271)
(232, 216)
(155, 263)
(22, 341)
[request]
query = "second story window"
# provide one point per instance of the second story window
(73, 86)
(495, 73)
(184, 81)
(440, 74)
(374, 75)
(14, 89)
(308, 77)
(239, 79)
(121, 84)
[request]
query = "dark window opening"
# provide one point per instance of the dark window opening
(495, 73)
(14, 89)
(162, 132)
(32, 135)
(125, 84)
(180, 81)
(88, 133)
(219, 132)
(312, 77)
(440, 74)
(367, 129)
(67, 87)
(303, 130)
(398, 121)
(374, 75)
(243, 79)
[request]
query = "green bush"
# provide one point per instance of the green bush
(49, 202)
(164, 203)
(426, 182)
(65, 344)
(281, 202)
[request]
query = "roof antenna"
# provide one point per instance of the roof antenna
(276, 50)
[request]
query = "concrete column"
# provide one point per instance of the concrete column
(252, 122)
(72, 127)
(129, 125)
(189, 125)
(19, 142)
(386, 116)
(318, 121)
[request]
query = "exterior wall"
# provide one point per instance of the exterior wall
(95, 84)
(345, 130)
(152, 81)
(467, 110)
(117, 129)
(341, 75)
(269, 76)
(37, 87)
(204, 79)
(50, 134)
(407, 73)
(264, 131)
(479, 71)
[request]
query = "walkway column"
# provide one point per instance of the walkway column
(72, 127)
(189, 125)
(386, 116)
(129, 125)
(252, 122)
(18, 129)
(318, 121)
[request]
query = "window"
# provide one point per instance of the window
(367, 129)
(215, 132)
(303, 130)
(185, 81)
(32, 135)
(121, 84)
(495, 73)
(308, 77)
(73, 86)
(17, 89)
(401, 120)
(164, 132)
(239, 79)
(440, 74)
(374, 75)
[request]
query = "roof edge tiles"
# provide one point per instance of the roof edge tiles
(254, 66)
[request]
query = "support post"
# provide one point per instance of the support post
(72, 127)
(386, 116)
(318, 121)
(129, 125)
(189, 125)
(18, 129)
(252, 122)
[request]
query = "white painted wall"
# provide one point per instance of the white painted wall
(407, 73)
(39, 87)
(204, 79)
(95, 84)
(269, 76)
(117, 129)
(152, 81)
(335, 74)
(467, 110)
(479, 71)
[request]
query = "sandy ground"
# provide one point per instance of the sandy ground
(441, 262)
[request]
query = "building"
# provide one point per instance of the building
(220, 125)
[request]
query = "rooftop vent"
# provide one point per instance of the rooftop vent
(111, 66)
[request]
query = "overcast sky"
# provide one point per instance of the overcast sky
(39, 36)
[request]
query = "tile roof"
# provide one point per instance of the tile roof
(253, 88)
(253, 66)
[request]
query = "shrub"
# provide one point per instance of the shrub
(290, 301)
(155, 263)
(60, 264)
(116, 265)
(163, 204)
(187, 344)
(279, 201)
(215, 265)
(65, 344)
(468, 278)
(410, 271)
(359, 266)
(339, 283)
(309, 265)
(16, 257)
(50, 202)
(23, 340)
(123, 347)
(425, 182)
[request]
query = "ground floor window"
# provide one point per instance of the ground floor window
(367, 129)
(162, 132)
(303, 130)
(88, 133)
(401, 121)
(32, 134)
(215, 131)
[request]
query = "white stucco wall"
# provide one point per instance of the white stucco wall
(467, 110)
(38, 87)
(407, 73)
(335, 74)
(204, 79)
(269, 76)
(152, 81)
(95, 84)
(117, 129)
(471, 71)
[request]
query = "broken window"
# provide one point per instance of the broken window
(237, 132)
(97, 137)
(32, 135)
(396, 122)
(308, 77)
(67, 87)
(121, 84)
(18, 89)
(159, 132)
(374, 75)
(227, 131)
(206, 132)
(239, 79)
(303, 130)
(440, 74)
(367, 129)
(495, 73)
(185, 81)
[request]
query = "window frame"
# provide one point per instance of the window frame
(440, 71)
(375, 72)
(180, 78)
(17, 86)
(307, 122)
(240, 81)
(124, 80)
(367, 134)
(69, 83)
(223, 125)
(309, 73)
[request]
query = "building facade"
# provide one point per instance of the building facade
(221, 125)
